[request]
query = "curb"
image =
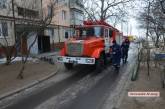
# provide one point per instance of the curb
(136, 67)
(135, 72)
(12, 93)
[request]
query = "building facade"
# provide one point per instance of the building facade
(7, 36)
(76, 12)
(18, 16)
(67, 14)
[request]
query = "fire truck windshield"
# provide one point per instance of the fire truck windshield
(89, 32)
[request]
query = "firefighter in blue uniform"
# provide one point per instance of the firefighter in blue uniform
(116, 55)
(124, 49)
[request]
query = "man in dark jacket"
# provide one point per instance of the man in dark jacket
(116, 54)
(124, 49)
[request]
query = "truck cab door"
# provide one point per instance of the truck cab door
(106, 41)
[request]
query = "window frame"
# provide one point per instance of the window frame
(3, 4)
(64, 13)
(1, 29)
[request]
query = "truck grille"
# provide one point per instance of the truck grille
(74, 49)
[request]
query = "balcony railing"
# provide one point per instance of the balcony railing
(76, 4)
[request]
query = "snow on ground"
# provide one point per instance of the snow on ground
(3, 60)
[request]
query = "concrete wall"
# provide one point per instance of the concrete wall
(7, 12)
(58, 34)
(6, 15)
(10, 37)
(61, 25)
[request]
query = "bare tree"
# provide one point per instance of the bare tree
(38, 25)
(162, 4)
(106, 9)
(154, 21)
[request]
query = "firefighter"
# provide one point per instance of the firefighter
(124, 49)
(116, 55)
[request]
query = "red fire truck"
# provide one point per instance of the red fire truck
(90, 45)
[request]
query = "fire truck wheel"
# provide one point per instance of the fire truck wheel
(100, 63)
(68, 65)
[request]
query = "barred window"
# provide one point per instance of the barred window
(3, 4)
(3, 29)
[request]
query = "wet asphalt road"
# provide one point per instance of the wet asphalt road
(92, 99)
(96, 96)
(35, 99)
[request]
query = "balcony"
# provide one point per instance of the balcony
(77, 5)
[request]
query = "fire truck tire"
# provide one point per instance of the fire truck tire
(68, 66)
(100, 63)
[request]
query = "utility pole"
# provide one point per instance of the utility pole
(127, 28)
(147, 35)
(148, 13)
(130, 29)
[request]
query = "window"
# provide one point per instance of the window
(106, 32)
(28, 12)
(50, 11)
(80, 3)
(60, 1)
(3, 29)
(66, 35)
(63, 15)
(50, 32)
(3, 4)
(91, 32)
(78, 18)
(98, 31)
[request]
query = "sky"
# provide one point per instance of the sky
(132, 27)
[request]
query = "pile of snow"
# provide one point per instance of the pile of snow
(3, 60)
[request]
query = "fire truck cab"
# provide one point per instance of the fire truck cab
(90, 44)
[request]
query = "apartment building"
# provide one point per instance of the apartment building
(77, 12)
(18, 20)
(17, 16)
(67, 14)
(6, 24)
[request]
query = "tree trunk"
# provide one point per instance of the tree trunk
(20, 75)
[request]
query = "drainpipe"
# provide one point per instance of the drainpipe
(59, 33)
(58, 27)
(70, 19)
(13, 11)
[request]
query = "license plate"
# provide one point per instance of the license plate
(72, 61)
